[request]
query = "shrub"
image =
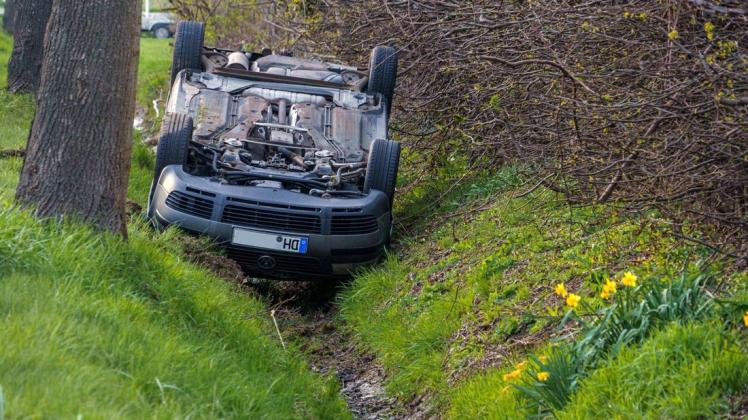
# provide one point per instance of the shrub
(638, 102)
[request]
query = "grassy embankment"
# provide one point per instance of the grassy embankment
(463, 304)
(96, 327)
(111, 328)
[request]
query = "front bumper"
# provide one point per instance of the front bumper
(343, 234)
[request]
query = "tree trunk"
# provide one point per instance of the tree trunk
(9, 15)
(78, 155)
(24, 68)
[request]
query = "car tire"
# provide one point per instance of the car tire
(381, 173)
(161, 31)
(173, 147)
(188, 47)
(383, 73)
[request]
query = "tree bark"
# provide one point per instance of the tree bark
(9, 15)
(78, 155)
(24, 68)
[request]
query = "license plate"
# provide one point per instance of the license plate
(296, 244)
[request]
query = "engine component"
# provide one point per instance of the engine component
(282, 111)
(293, 97)
(278, 136)
(323, 168)
(295, 158)
(238, 60)
(306, 139)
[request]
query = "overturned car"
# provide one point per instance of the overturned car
(285, 161)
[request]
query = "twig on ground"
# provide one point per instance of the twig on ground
(275, 322)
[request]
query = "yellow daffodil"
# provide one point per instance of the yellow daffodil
(543, 358)
(745, 319)
(609, 286)
(673, 35)
(512, 375)
(543, 376)
(609, 289)
(521, 366)
(629, 279)
(573, 300)
(560, 290)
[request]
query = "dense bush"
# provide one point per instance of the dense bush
(251, 24)
(636, 102)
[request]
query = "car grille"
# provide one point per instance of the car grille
(186, 203)
(247, 258)
(269, 219)
(353, 225)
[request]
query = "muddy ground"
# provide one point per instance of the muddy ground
(306, 316)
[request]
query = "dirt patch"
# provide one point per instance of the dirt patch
(12, 153)
(738, 406)
(332, 352)
(203, 254)
(496, 351)
(307, 317)
(132, 209)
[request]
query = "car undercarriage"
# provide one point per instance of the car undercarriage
(305, 138)
(285, 161)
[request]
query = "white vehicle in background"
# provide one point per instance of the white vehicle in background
(161, 25)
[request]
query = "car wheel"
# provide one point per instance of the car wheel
(381, 172)
(383, 73)
(161, 31)
(188, 47)
(173, 147)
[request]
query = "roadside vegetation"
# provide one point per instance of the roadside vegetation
(501, 303)
(546, 279)
(94, 326)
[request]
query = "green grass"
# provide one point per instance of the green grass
(17, 112)
(478, 289)
(93, 326)
(154, 70)
(97, 326)
(681, 373)
(684, 371)
(153, 83)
